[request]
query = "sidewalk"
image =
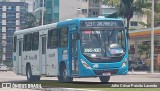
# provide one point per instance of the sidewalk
(141, 72)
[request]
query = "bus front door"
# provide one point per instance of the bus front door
(43, 54)
(19, 55)
(74, 47)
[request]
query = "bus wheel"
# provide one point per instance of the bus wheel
(63, 75)
(30, 77)
(104, 79)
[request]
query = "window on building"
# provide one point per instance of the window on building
(134, 23)
(95, 13)
(0, 8)
(84, 10)
(35, 41)
(11, 8)
(84, 0)
(64, 37)
(52, 39)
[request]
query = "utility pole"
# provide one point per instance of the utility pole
(152, 39)
(42, 12)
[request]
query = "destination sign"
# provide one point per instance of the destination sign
(102, 23)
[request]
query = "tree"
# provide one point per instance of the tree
(156, 13)
(30, 20)
(126, 8)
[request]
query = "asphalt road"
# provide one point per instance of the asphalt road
(131, 77)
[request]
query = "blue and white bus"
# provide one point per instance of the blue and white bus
(81, 47)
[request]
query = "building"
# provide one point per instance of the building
(79, 8)
(48, 9)
(59, 10)
(30, 3)
(11, 19)
(140, 46)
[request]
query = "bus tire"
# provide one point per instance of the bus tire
(30, 77)
(104, 79)
(63, 74)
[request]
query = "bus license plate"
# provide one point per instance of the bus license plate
(106, 74)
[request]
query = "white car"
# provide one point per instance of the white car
(3, 67)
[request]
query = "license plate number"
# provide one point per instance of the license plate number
(106, 74)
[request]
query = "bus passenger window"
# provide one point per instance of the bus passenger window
(20, 48)
(14, 45)
(64, 37)
(35, 41)
(24, 43)
(52, 39)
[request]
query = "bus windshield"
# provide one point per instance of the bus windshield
(97, 43)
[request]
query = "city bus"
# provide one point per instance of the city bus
(75, 48)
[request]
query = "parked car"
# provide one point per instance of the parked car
(3, 67)
(137, 65)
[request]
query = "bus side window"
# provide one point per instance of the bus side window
(49, 39)
(14, 45)
(52, 39)
(28, 42)
(64, 37)
(24, 43)
(35, 41)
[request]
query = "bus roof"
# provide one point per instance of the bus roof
(34, 29)
(54, 25)
(79, 19)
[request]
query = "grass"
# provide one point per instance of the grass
(87, 85)
(124, 89)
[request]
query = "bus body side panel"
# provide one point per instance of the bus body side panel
(14, 62)
(31, 57)
(52, 62)
(64, 54)
(63, 57)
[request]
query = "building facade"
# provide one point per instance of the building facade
(80, 8)
(59, 10)
(11, 19)
(30, 3)
(48, 9)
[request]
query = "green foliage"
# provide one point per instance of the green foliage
(30, 20)
(126, 8)
(144, 49)
(144, 24)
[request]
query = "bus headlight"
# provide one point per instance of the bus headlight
(124, 63)
(85, 64)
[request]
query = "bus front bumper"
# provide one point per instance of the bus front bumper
(85, 72)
